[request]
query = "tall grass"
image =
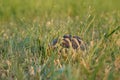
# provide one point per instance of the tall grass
(27, 28)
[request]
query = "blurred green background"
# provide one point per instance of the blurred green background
(54, 8)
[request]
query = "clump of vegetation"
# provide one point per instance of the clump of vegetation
(27, 28)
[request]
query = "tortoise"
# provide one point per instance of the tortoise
(68, 42)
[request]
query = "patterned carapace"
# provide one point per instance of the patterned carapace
(69, 41)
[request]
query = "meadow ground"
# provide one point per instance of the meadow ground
(28, 26)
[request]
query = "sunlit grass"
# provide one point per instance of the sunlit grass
(27, 28)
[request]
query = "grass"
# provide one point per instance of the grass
(27, 27)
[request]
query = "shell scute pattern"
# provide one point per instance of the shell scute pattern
(69, 41)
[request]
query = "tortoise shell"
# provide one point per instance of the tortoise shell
(68, 41)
